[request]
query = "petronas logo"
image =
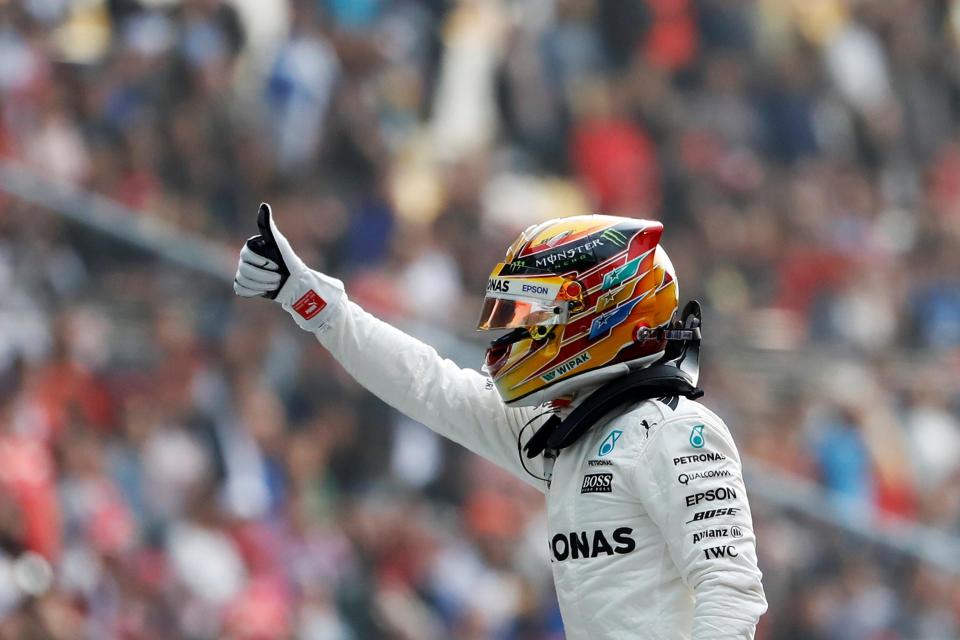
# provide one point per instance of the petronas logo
(696, 437)
(614, 237)
(609, 443)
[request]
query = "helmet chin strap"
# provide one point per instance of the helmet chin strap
(676, 373)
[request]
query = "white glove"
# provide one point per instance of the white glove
(270, 269)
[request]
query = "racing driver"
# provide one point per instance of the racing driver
(589, 396)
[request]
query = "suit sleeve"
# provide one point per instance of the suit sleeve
(460, 404)
(689, 479)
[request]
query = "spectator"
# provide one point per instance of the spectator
(174, 466)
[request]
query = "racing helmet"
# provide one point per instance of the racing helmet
(585, 299)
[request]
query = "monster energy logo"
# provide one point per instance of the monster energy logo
(614, 237)
(517, 266)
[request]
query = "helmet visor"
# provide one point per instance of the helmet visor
(500, 313)
(524, 301)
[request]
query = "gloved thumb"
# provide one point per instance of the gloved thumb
(264, 218)
(268, 229)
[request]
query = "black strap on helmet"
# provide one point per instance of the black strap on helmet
(675, 374)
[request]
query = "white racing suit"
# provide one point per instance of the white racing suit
(650, 530)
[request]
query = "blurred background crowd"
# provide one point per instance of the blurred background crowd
(178, 464)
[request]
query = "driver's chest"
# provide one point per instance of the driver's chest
(591, 507)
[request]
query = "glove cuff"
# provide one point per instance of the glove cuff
(311, 298)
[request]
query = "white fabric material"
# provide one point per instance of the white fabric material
(626, 563)
(329, 289)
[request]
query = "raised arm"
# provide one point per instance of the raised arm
(404, 372)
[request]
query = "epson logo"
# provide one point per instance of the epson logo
(495, 284)
(709, 514)
(597, 483)
(711, 495)
(536, 289)
(591, 545)
(707, 456)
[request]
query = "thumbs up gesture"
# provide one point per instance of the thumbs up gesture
(269, 268)
(263, 266)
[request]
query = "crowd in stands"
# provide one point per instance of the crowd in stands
(179, 464)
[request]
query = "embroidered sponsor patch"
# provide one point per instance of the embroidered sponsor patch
(719, 532)
(706, 456)
(608, 444)
(687, 478)
(597, 483)
(309, 305)
(696, 437)
(708, 514)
